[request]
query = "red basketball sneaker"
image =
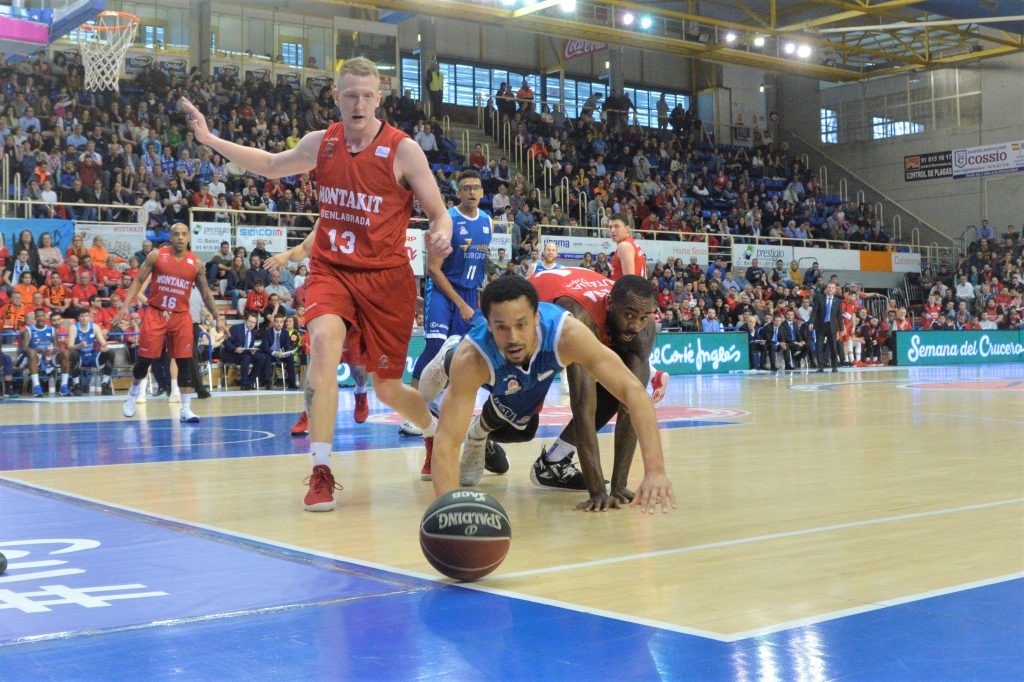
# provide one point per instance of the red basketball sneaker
(320, 497)
(301, 427)
(425, 471)
(362, 410)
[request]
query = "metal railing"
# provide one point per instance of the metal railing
(795, 137)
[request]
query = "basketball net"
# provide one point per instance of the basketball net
(103, 45)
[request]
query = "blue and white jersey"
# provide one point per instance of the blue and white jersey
(465, 268)
(517, 393)
(87, 336)
(541, 267)
(466, 265)
(41, 339)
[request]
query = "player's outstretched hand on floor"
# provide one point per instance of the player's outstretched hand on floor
(600, 502)
(655, 490)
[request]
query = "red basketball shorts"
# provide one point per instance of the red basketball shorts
(158, 325)
(381, 303)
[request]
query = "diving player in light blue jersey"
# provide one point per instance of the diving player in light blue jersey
(515, 357)
(452, 290)
(39, 342)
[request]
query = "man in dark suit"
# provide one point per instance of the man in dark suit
(825, 314)
(776, 340)
(241, 348)
(809, 335)
(277, 347)
(798, 347)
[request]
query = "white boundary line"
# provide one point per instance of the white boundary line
(672, 627)
(833, 615)
(759, 538)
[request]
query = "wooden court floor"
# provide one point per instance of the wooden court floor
(811, 494)
(802, 497)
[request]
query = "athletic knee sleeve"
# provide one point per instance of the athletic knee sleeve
(141, 368)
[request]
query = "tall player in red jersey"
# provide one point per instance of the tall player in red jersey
(619, 314)
(171, 271)
(629, 258)
(367, 174)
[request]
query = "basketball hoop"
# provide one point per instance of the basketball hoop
(103, 45)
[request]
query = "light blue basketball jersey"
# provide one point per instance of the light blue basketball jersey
(540, 267)
(517, 393)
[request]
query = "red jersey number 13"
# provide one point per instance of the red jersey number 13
(347, 243)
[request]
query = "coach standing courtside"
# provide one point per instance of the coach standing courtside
(825, 314)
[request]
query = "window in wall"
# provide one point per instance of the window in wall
(882, 128)
(646, 103)
(293, 54)
(472, 85)
(411, 75)
(829, 126)
(152, 36)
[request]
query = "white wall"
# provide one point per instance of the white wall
(515, 49)
(949, 205)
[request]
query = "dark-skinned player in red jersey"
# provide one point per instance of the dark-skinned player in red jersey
(170, 271)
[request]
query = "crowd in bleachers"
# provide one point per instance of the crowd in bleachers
(672, 182)
(83, 155)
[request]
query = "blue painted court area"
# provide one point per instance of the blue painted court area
(98, 593)
(137, 441)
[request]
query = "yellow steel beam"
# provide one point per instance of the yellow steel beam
(536, 7)
(551, 25)
(757, 18)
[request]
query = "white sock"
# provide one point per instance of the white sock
(359, 390)
(106, 379)
(558, 451)
(133, 391)
(35, 380)
(64, 379)
(321, 454)
(186, 400)
(476, 432)
(174, 387)
(432, 429)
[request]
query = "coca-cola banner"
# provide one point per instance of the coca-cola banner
(577, 48)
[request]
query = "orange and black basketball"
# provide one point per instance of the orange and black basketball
(465, 534)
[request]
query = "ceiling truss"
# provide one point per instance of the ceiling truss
(700, 29)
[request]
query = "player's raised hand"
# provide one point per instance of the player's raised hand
(437, 244)
(197, 121)
(278, 260)
(655, 490)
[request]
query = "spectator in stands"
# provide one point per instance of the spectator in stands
(218, 266)
(83, 290)
(965, 290)
(711, 324)
(14, 314)
(427, 141)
